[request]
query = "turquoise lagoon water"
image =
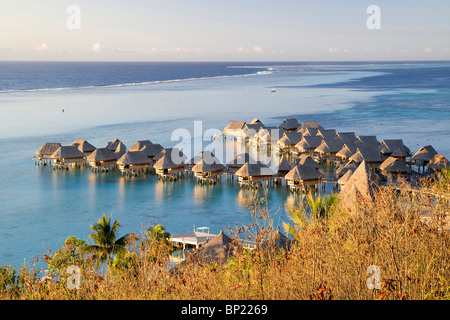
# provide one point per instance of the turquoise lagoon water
(41, 207)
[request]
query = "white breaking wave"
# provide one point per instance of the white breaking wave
(136, 83)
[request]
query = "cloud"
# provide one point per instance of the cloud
(42, 47)
(428, 50)
(257, 49)
(96, 47)
(333, 50)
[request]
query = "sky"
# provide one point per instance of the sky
(231, 30)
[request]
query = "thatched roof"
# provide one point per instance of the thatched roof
(425, 153)
(254, 170)
(283, 165)
(235, 125)
(113, 145)
(289, 124)
(347, 151)
(67, 152)
(329, 146)
(139, 145)
(152, 149)
(48, 148)
(439, 162)
(270, 133)
(255, 121)
(290, 139)
(217, 249)
(277, 241)
(171, 159)
(303, 173)
(327, 134)
(387, 147)
(176, 154)
(311, 131)
(205, 154)
(351, 165)
(401, 152)
(368, 155)
(120, 150)
(83, 145)
(309, 142)
(102, 154)
(133, 158)
(305, 159)
(312, 125)
(368, 141)
(344, 179)
(394, 165)
(361, 186)
(347, 137)
(240, 160)
(208, 165)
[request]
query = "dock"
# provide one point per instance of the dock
(195, 238)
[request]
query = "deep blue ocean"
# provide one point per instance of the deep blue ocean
(163, 102)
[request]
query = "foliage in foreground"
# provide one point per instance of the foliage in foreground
(330, 254)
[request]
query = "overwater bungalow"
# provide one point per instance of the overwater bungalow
(346, 152)
(302, 177)
(133, 163)
(152, 150)
(139, 145)
(171, 165)
(44, 153)
(422, 157)
(235, 129)
(238, 161)
(68, 156)
(438, 163)
(394, 167)
(372, 157)
(329, 148)
(254, 174)
(351, 165)
(368, 142)
(347, 137)
(308, 144)
(313, 125)
(401, 153)
(149, 148)
(84, 146)
(252, 128)
(305, 159)
(288, 141)
(102, 159)
(289, 125)
(311, 131)
(267, 136)
(283, 168)
(388, 147)
(326, 134)
(208, 170)
(120, 150)
(112, 145)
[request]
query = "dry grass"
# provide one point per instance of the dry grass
(328, 259)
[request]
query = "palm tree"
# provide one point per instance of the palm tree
(156, 241)
(104, 235)
(320, 210)
(157, 233)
